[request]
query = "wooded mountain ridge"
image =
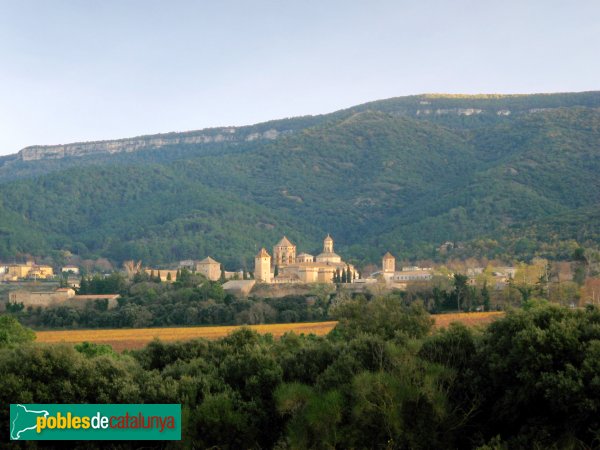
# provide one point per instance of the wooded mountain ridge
(494, 175)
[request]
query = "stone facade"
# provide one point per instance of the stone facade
(303, 268)
(210, 268)
(58, 297)
(284, 253)
(16, 272)
(262, 267)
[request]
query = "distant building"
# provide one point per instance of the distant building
(262, 267)
(19, 271)
(58, 297)
(210, 268)
(165, 275)
(188, 264)
(41, 272)
(16, 272)
(70, 269)
(303, 268)
(388, 264)
(404, 276)
(42, 298)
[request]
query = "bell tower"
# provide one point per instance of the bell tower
(388, 263)
(328, 244)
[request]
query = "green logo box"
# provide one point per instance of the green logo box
(36, 422)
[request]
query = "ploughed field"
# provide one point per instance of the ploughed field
(134, 338)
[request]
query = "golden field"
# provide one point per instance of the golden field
(470, 319)
(128, 338)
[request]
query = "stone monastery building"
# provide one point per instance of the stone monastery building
(301, 268)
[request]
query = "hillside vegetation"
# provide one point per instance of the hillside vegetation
(381, 379)
(501, 176)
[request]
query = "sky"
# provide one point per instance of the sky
(84, 70)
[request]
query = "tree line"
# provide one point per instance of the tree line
(381, 379)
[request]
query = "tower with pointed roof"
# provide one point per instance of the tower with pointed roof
(284, 253)
(262, 266)
(210, 268)
(388, 263)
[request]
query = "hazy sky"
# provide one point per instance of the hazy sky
(86, 70)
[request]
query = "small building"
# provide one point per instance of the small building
(424, 274)
(70, 269)
(406, 275)
(16, 272)
(41, 298)
(41, 272)
(19, 271)
(210, 268)
(188, 264)
(166, 275)
(58, 297)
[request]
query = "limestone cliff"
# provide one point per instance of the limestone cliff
(38, 152)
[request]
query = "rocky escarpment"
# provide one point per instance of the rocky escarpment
(39, 152)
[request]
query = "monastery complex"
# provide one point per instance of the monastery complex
(288, 267)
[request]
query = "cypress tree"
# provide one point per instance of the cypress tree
(344, 279)
(485, 296)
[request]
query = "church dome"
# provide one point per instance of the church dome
(328, 257)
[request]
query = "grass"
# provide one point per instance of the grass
(128, 338)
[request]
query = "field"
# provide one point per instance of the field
(127, 338)
(469, 319)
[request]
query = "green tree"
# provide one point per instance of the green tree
(485, 297)
(460, 290)
(13, 333)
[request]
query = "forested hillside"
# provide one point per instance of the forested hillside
(503, 176)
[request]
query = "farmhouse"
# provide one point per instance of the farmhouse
(16, 272)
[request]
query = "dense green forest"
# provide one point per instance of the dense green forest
(381, 379)
(497, 176)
